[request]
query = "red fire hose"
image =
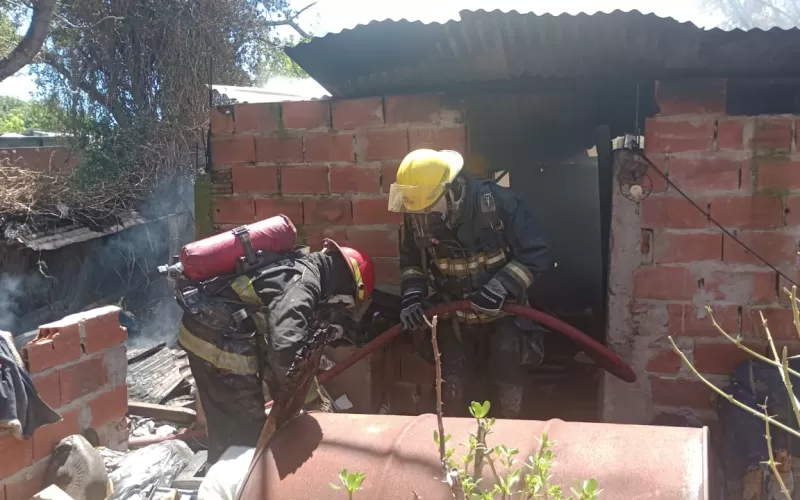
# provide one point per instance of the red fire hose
(603, 356)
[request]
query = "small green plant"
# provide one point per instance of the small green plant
(351, 482)
(532, 480)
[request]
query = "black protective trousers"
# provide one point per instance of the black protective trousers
(233, 405)
(482, 365)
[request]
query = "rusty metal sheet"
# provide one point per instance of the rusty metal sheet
(398, 455)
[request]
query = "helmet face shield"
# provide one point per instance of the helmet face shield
(416, 199)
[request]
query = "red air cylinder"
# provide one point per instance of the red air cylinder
(217, 255)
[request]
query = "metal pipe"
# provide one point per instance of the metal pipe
(399, 457)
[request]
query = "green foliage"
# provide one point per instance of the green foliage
(17, 115)
(527, 480)
(531, 481)
(350, 482)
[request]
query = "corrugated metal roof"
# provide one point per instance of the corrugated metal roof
(401, 56)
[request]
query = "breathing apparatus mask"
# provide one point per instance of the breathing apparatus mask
(444, 212)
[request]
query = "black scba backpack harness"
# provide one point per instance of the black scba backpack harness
(487, 217)
(197, 297)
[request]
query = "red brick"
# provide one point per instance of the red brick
(383, 144)
(357, 113)
(793, 211)
(101, 329)
(664, 361)
(722, 358)
(17, 454)
(416, 370)
(663, 283)
(329, 147)
(453, 138)
(777, 174)
(388, 175)
(270, 207)
(304, 180)
(234, 210)
(314, 236)
(690, 97)
(690, 321)
(232, 149)
(680, 393)
(658, 182)
(109, 406)
(352, 179)
(49, 388)
(674, 213)
(777, 248)
(387, 271)
(254, 179)
(306, 114)
(46, 438)
(327, 211)
(374, 211)
(417, 108)
(61, 347)
(279, 149)
(222, 120)
(375, 242)
(257, 117)
(646, 244)
(670, 136)
(81, 379)
(730, 134)
(771, 134)
(748, 211)
(677, 247)
(754, 287)
(705, 173)
(779, 320)
(30, 482)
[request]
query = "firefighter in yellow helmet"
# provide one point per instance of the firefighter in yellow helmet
(468, 238)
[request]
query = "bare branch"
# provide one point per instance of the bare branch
(111, 104)
(290, 21)
(768, 4)
(32, 42)
(727, 396)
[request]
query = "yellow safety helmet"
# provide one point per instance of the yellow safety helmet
(422, 179)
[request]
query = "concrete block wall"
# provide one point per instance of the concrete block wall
(328, 166)
(668, 261)
(78, 366)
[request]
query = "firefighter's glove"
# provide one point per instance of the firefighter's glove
(412, 315)
(489, 299)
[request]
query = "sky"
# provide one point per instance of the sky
(331, 16)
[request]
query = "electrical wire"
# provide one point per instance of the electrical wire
(713, 221)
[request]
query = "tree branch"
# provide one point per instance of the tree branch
(113, 106)
(32, 42)
(290, 21)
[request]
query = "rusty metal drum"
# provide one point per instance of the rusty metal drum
(400, 458)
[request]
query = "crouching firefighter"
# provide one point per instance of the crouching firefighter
(243, 329)
(470, 238)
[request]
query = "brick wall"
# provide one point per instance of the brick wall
(79, 369)
(669, 262)
(50, 159)
(328, 165)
